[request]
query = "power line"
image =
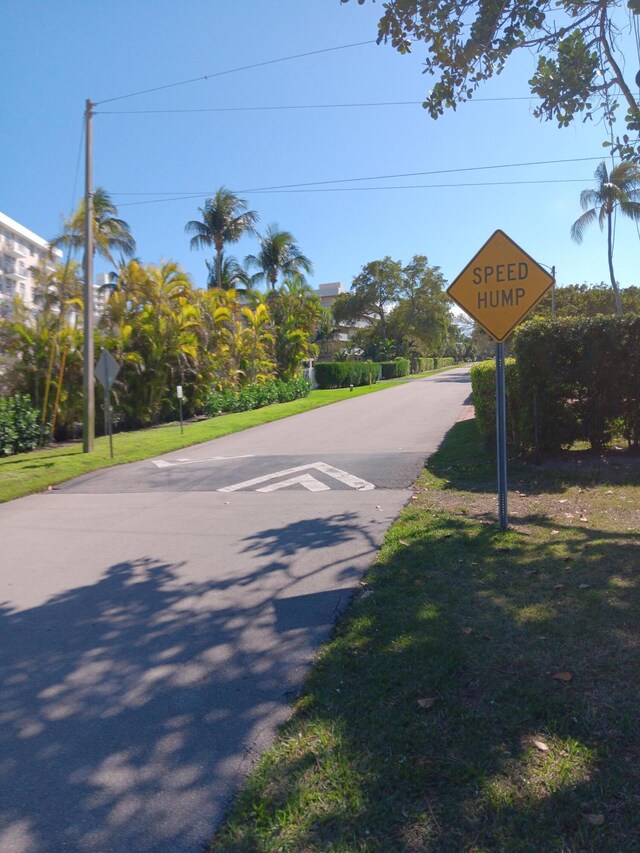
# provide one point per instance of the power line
(190, 194)
(234, 71)
(283, 107)
(302, 106)
(369, 189)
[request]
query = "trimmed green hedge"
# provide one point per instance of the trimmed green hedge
(255, 396)
(342, 374)
(422, 365)
(579, 378)
(19, 426)
(444, 362)
(395, 369)
(572, 379)
(483, 389)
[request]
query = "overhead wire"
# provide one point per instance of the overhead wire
(233, 71)
(367, 189)
(311, 184)
(301, 106)
(281, 107)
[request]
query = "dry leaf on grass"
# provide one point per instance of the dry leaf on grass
(594, 819)
(554, 532)
(559, 586)
(541, 745)
(563, 675)
(402, 542)
(427, 703)
(584, 586)
(467, 630)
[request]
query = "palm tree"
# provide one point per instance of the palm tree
(225, 219)
(232, 274)
(109, 232)
(279, 255)
(617, 190)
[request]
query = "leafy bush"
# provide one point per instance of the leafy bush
(483, 389)
(444, 361)
(422, 365)
(576, 378)
(395, 369)
(19, 427)
(341, 374)
(255, 396)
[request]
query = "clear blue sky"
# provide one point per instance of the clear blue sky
(55, 55)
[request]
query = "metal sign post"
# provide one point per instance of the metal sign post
(499, 286)
(106, 371)
(179, 390)
(501, 436)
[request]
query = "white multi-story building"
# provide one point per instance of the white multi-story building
(328, 294)
(20, 251)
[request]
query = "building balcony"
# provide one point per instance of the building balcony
(14, 249)
(14, 272)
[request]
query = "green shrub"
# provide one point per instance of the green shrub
(572, 382)
(576, 378)
(255, 396)
(342, 374)
(19, 426)
(444, 361)
(422, 365)
(483, 389)
(395, 369)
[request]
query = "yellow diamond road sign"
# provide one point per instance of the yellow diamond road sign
(499, 286)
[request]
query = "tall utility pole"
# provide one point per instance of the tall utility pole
(89, 402)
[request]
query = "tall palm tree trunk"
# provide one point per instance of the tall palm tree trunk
(219, 249)
(614, 284)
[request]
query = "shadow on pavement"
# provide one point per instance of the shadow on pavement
(133, 706)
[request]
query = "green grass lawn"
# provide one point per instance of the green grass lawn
(27, 473)
(482, 692)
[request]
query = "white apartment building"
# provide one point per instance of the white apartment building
(328, 294)
(20, 251)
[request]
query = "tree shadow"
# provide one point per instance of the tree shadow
(132, 707)
(480, 622)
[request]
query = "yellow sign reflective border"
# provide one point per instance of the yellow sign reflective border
(499, 286)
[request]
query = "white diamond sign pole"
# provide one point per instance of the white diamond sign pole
(499, 286)
(106, 371)
(179, 392)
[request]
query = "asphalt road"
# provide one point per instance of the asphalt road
(156, 619)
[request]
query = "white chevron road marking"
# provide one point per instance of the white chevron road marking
(308, 481)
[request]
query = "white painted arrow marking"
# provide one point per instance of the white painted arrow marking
(310, 483)
(337, 474)
(163, 463)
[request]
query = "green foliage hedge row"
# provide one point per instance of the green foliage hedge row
(341, 374)
(572, 379)
(422, 365)
(483, 388)
(395, 369)
(255, 396)
(579, 378)
(447, 361)
(19, 426)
